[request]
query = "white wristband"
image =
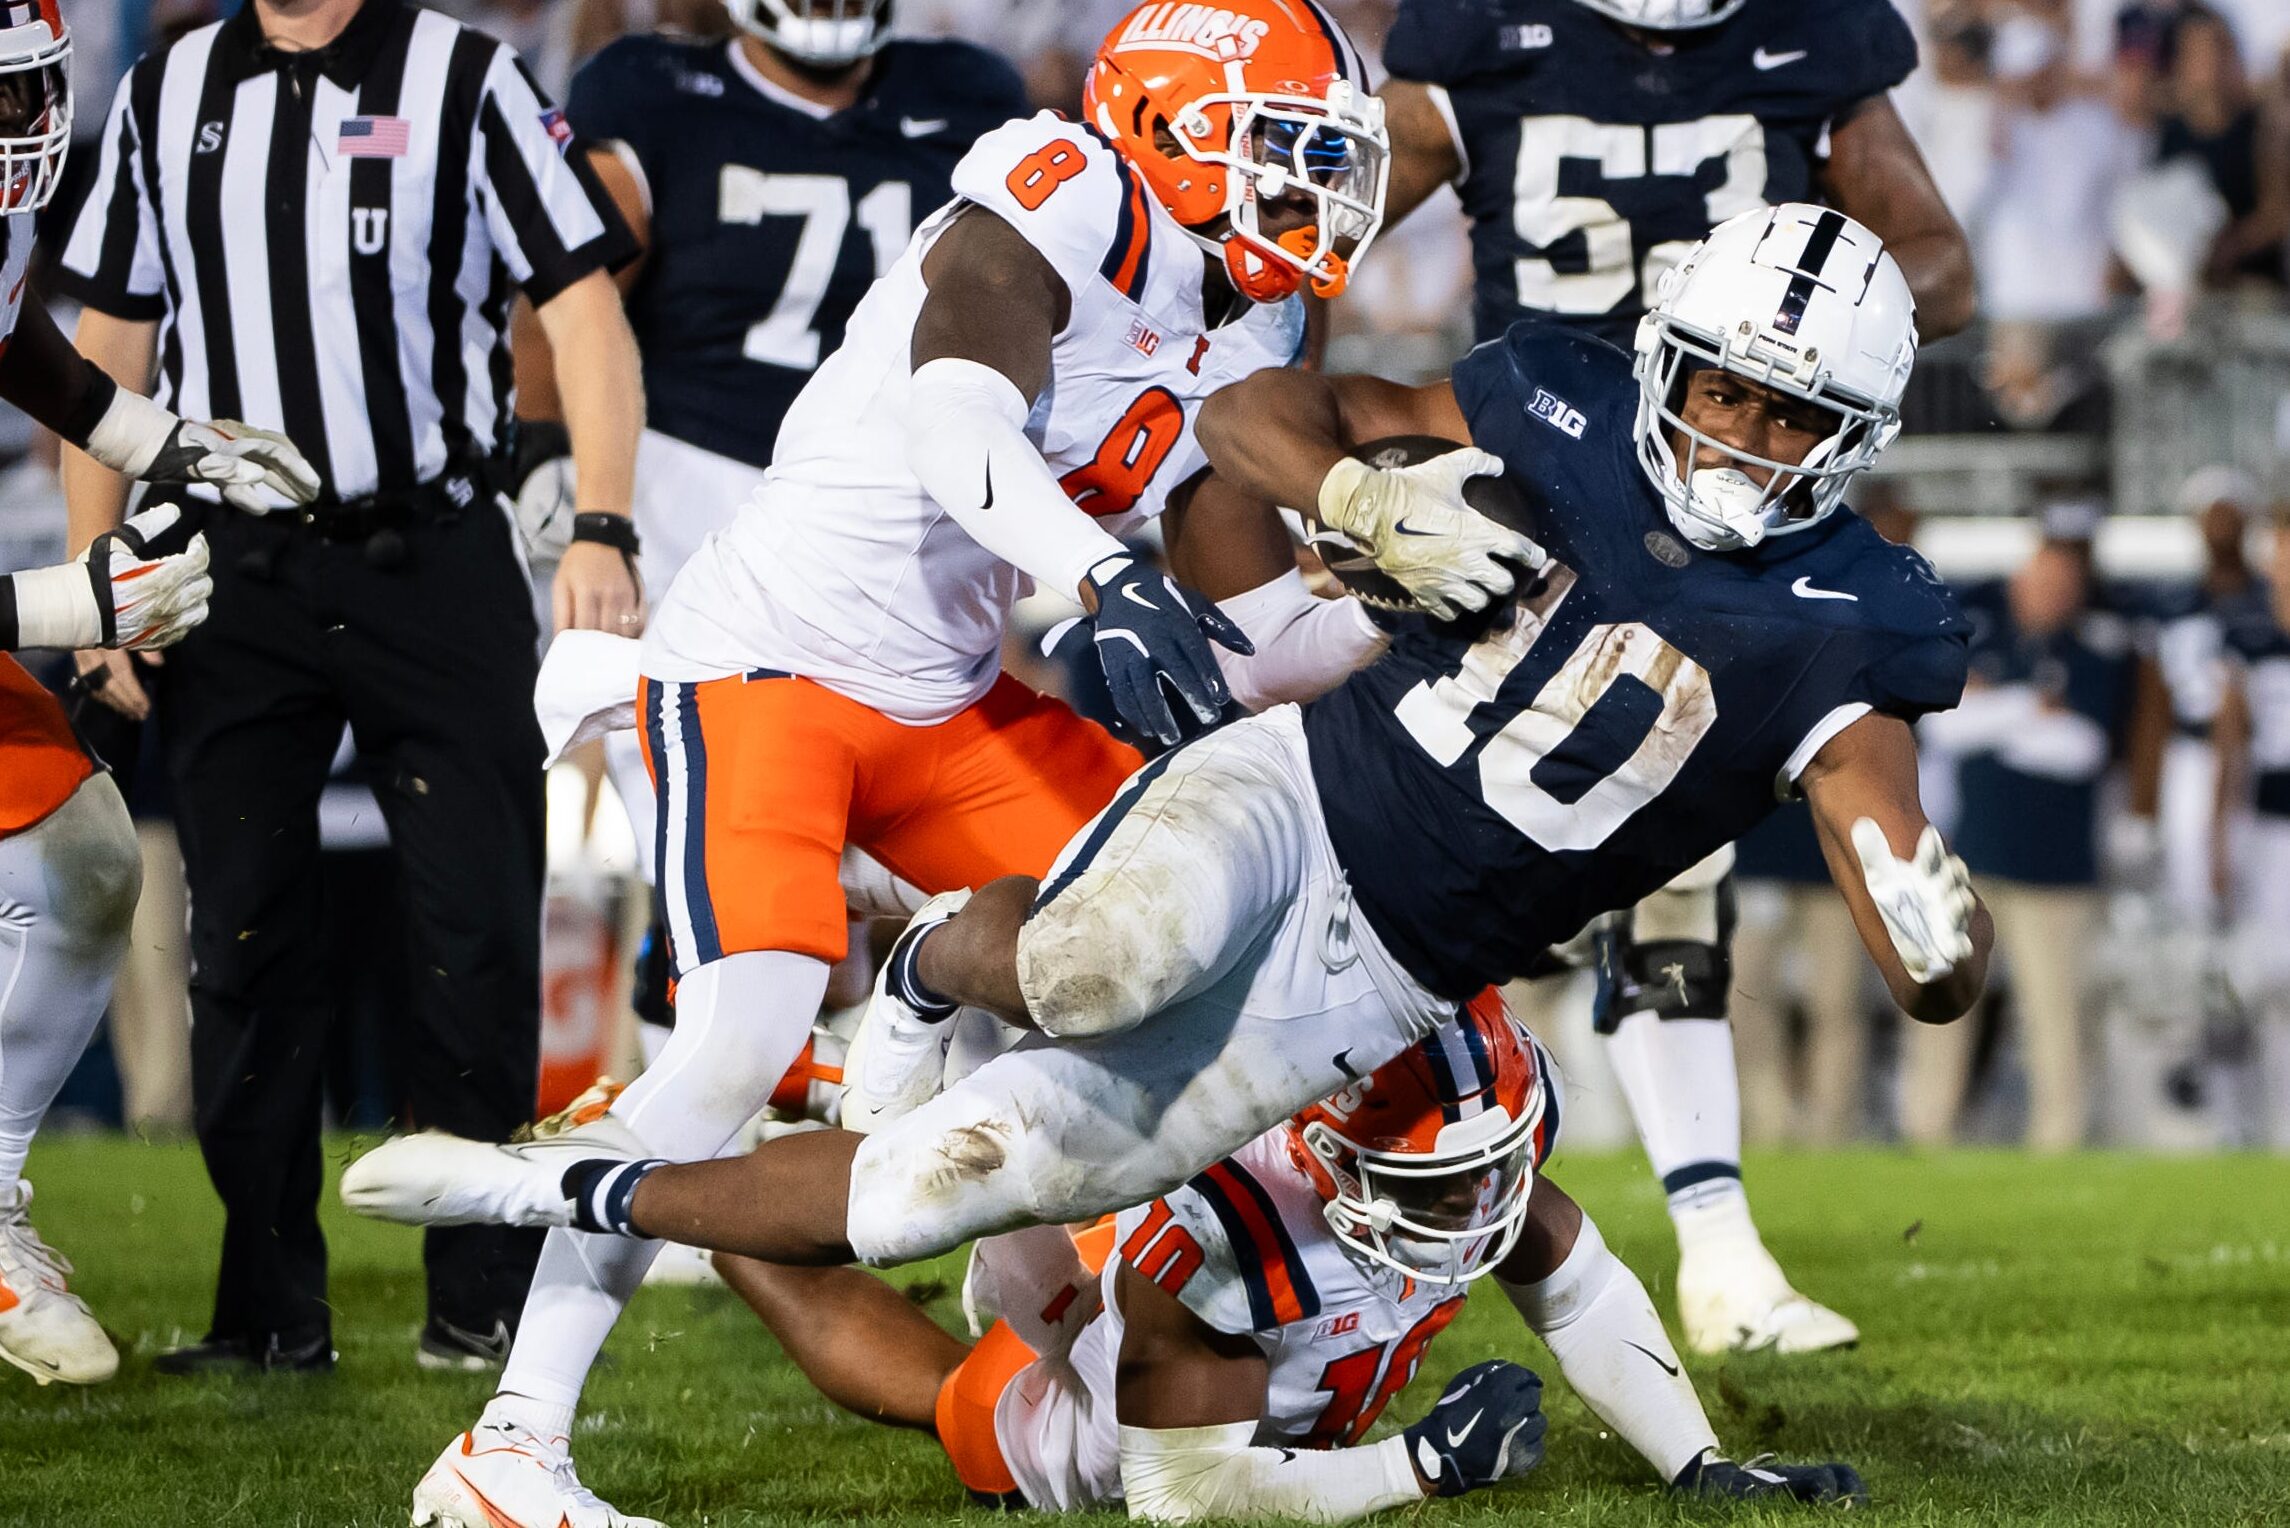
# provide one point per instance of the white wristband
(967, 446)
(128, 437)
(55, 607)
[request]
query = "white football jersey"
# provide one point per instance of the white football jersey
(1246, 1247)
(842, 568)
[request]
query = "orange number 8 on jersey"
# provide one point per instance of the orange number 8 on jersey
(1043, 171)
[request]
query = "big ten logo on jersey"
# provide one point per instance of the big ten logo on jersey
(1361, 1383)
(1209, 30)
(788, 335)
(1558, 413)
(1611, 265)
(1118, 473)
(1143, 337)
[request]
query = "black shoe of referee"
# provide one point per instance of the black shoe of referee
(254, 1353)
(447, 1348)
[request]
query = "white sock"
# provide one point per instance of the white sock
(67, 895)
(522, 1411)
(1678, 1075)
(740, 1023)
(1594, 1316)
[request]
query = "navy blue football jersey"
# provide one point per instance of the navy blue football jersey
(1491, 791)
(2258, 649)
(1592, 161)
(769, 222)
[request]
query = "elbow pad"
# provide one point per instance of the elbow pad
(1594, 1316)
(1181, 1474)
(1305, 645)
(967, 446)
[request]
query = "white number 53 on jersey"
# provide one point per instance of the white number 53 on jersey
(1613, 265)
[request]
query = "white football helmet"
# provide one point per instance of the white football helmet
(35, 102)
(824, 33)
(1797, 298)
(1666, 15)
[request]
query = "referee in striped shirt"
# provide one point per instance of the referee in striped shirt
(313, 217)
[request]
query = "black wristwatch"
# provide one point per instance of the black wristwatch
(615, 531)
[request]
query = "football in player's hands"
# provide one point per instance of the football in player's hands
(1492, 494)
(1812, 1485)
(1485, 1427)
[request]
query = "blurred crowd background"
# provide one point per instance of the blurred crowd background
(2101, 464)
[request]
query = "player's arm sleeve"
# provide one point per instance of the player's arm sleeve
(1595, 1317)
(1305, 645)
(550, 218)
(110, 259)
(1185, 1474)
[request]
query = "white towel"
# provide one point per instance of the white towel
(587, 688)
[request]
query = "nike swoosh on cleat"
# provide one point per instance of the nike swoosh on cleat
(1804, 590)
(1670, 1369)
(493, 1515)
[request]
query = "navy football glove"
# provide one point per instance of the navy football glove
(1151, 633)
(1812, 1484)
(1487, 1427)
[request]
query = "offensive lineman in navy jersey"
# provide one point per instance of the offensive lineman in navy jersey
(1269, 912)
(1592, 142)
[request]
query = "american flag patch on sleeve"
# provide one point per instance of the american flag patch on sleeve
(559, 130)
(374, 137)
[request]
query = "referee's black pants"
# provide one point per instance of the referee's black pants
(432, 665)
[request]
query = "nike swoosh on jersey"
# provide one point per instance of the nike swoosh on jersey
(1765, 60)
(989, 504)
(923, 127)
(1804, 590)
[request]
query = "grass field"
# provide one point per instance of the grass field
(2098, 1340)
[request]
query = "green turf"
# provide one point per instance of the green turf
(2099, 1340)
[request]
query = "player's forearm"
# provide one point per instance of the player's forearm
(95, 496)
(42, 375)
(600, 386)
(1594, 1316)
(1186, 1474)
(1305, 645)
(1938, 265)
(1274, 435)
(967, 446)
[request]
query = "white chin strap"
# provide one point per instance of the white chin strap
(1729, 507)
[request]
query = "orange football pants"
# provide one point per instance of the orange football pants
(763, 778)
(41, 760)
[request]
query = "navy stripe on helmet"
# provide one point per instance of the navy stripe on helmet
(1442, 1075)
(1819, 245)
(1348, 62)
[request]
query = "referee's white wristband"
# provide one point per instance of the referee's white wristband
(128, 437)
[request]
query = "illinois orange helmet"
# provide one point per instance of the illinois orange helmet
(1231, 110)
(35, 102)
(1426, 1166)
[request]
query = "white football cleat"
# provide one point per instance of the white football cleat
(45, 1329)
(500, 1476)
(1734, 1298)
(897, 1060)
(435, 1179)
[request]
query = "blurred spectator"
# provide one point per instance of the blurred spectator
(1789, 907)
(2049, 694)
(1952, 110)
(2190, 649)
(2212, 117)
(2251, 841)
(2042, 239)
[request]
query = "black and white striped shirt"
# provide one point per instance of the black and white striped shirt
(307, 226)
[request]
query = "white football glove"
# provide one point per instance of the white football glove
(139, 439)
(1413, 522)
(151, 601)
(1926, 902)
